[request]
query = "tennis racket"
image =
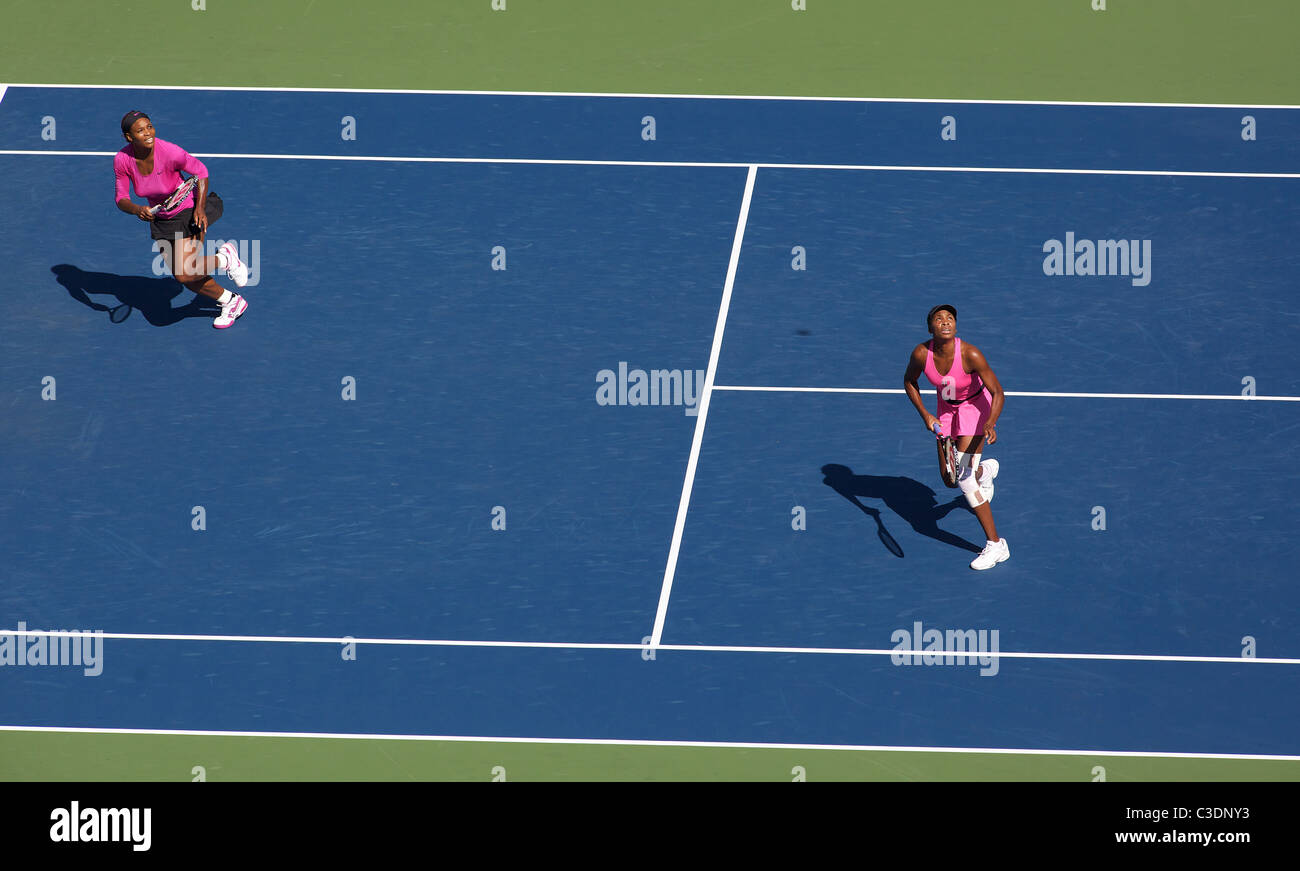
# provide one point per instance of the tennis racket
(947, 458)
(176, 197)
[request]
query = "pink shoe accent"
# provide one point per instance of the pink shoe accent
(235, 268)
(231, 313)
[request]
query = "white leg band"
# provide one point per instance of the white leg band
(968, 463)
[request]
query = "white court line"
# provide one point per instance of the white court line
(1051, 395)
(681, 648)
(615, 95)
(670, 569)
(310, 639)
(3, 88)
(851, 167)
(620, 742)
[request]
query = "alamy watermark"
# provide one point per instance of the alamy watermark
(73, 647)
(920, 646)
(1102, 257)
(650, 387)
(250, 251)
(93, 825)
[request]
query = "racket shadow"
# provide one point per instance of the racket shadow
(152, 297)
(911, 500)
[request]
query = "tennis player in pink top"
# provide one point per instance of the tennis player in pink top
(970, 400)
(153, 166)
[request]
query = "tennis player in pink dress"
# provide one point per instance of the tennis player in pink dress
(970, 401)
(153, 166)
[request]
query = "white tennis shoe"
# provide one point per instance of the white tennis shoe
(993, 553)
(990, 468)
(230, 312)
(235, 268)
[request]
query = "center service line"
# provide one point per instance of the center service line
(671, 569)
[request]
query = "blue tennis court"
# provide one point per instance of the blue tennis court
(582, 431)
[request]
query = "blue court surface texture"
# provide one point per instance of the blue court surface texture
(1141, 526)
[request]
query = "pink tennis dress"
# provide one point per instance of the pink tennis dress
(967, 412)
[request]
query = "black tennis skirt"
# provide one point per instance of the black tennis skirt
(182, 223)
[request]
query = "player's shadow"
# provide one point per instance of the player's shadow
(152, 297)
(908, 498)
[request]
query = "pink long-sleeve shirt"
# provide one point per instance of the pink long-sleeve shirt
(168, 159)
